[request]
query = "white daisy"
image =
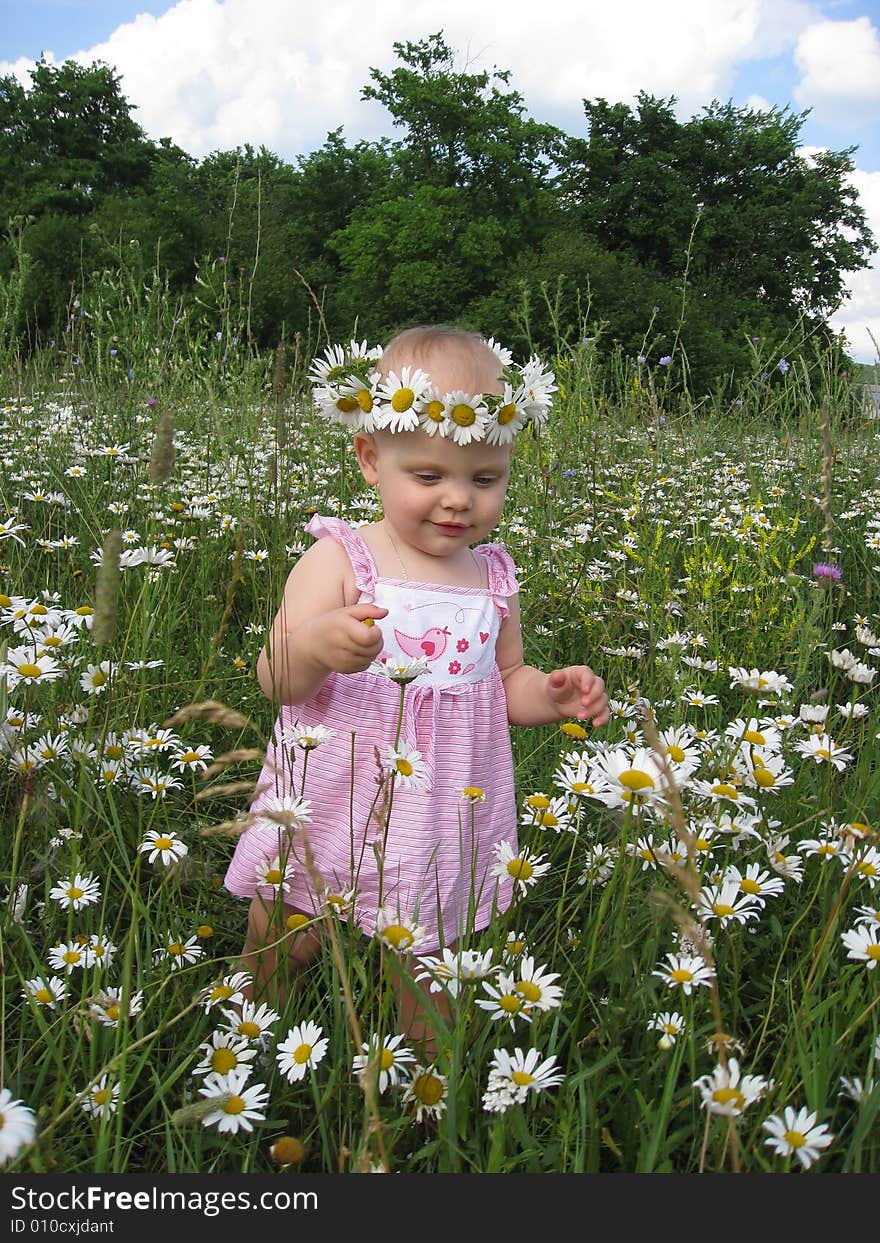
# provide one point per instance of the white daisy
(686, 972)
(389, 1058)
(225, 1051)
(863, 944)
(726, 1092)
(515, 1076)
(426, 1093)
(796, 1133)
(523, 868)
(302, 1049)
(407, 766)
(45, 991)
(163, 845)
(237, 1108)
(398, 932)
(18, 1126)
(76, 892)
(101, 1099)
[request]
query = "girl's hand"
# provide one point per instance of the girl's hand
(578, 692)
(347, 639)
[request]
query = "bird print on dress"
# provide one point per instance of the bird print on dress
(431, 645)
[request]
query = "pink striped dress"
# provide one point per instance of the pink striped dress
(430, 857)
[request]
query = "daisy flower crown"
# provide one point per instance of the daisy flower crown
(348, 389)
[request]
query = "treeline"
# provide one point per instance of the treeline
(661, 239)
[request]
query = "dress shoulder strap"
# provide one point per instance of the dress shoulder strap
(359, 555)
(502, 573)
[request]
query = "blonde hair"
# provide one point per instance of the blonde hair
(435, 348)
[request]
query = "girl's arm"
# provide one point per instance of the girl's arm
(538, 698)
(314, 630)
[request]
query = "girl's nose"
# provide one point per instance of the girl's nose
(457, 496)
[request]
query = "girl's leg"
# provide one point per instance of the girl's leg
(416, 1011)
(272, 953)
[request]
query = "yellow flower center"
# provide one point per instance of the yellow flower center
(634, 779)
(302, 1053)
(404, 767)
(473, 792)
(795, 1138)
(873, 952)
(400, 937)
(681, 975)
(345, 405)
(163, 843)
(522, 1078)
(176, 949)
(547, 820)
(866, 868)
(43, 996)
(823, 752)
(189, 757)
(428, 1089)
(112, 1013)
(506, 414)
(722, 909)
(676, 753)
(297, 921)
(573, 730)
(529, 990)
(386, 1059)
(747, 885)
(728, 791)
(28, 670)
(274, 876)
(463, 414)
(248, 1029)
(101, 1097)
(71, 956)
(520, 869)
(235, 1105)
(222, 992)
(435, 411)
(755, 737)
(510, 1003)
(402, 400)
(223, 1060)
(538, 801)
(515, 947)
(728, 1096)
(365, 400)
(74, 892)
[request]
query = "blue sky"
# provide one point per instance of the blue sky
(214, 74)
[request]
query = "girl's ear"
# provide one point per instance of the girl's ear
(367, 454)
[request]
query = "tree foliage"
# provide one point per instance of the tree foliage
(652, 234)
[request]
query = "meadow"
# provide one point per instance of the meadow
(687, 980)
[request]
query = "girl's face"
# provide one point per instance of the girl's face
(438, 497)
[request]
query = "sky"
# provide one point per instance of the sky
(215, 74)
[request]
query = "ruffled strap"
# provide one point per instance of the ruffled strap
(502, 574)
(362, 563)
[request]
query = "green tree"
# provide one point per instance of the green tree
(469, 187)
(726, 194)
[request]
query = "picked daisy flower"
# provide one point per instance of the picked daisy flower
(524, 868)
(18, 1126)
(76, 892)
(401, 396)
(397, 932)
(388, 1059)
(686, 972)
(223, 1052)
(165, 846)
(727, 1092)
(101, 1099)
(402, 673)
(302, 1049)
(306, 737)
(425, 1094)
(234, 1107)
(515, 1076)
(796, 1133)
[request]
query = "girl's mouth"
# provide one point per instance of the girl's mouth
(450, 528)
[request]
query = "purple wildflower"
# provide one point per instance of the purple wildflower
(824, 570)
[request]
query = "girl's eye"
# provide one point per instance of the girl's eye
(425, 478)
(484, 480)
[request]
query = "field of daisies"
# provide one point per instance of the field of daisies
(687, 980)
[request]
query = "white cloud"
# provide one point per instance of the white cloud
(859, 318)
(213, 75)
(840, 64)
